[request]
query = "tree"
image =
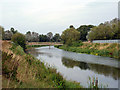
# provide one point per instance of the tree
(13, 30)
(50, 35)
(56, 37)
(19, 39)
(43, 38)
(84, 29)
(32, 37)
(28, 36)
(71, 26)
(35, 37)
(8, 35)
(70, 35)
(28, 32)
(2, 33)
(105, 31)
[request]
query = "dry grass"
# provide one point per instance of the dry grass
(25, 71)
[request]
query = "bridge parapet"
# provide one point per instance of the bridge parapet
(44, 43)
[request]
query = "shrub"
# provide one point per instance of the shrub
(77, 43)
(19, 39)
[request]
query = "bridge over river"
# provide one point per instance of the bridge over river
(44, 43)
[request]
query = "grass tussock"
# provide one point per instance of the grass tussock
(21, 70)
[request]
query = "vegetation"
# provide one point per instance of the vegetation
(84, 29)
(50, 35)
(56, 38)
(43, 38)
(21, 70)
(70, 35)
(93, 83)
(103, 49)
(19, 39)
(13, 30)
(1, 33)
(32, 36)
(105, 31)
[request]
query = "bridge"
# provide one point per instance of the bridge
(44, 43)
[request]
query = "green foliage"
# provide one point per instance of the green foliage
(13, 30)
(19, 39)
(70, 35)
(29, 72)
(19, 50)
(43, 38)
(77, 43)
(50, 35)
(56, 38)
(71, 26)
(57, 46)
(84, 29)
(93, 83)
(32, 36)
(2, 33)
(109, 52)
(108, 30)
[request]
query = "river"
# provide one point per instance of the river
(79, 67)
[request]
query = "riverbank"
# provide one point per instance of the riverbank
(29, 46)
(21, 70)
(100, 49)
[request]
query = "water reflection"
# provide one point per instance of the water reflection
(70, 63)
(78, 67)
(97, 68)
(35, 52)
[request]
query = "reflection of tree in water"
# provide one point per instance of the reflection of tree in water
(36, 52)
(105, 70)
(70, 63)
(97, 68)
(33, 51)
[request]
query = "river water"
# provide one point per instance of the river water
(79, 67)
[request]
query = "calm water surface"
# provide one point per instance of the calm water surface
(79, 67)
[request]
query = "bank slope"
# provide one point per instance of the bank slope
(21, 70)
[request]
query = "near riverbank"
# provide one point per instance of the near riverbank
(21, 70)
(100, 49)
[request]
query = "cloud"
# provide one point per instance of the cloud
(52, 14)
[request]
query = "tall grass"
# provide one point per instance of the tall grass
(21, 70)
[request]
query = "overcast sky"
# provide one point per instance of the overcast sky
(43, 16)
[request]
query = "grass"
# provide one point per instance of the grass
(21, 70)
(93, 83)
(105, 49)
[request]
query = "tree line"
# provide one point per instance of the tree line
(30, 36)
(104, 31)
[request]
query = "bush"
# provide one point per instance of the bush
(19, 39)
(77, 43)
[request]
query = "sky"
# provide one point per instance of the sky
(55, 16)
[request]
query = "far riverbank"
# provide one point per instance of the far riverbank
(100, 49)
